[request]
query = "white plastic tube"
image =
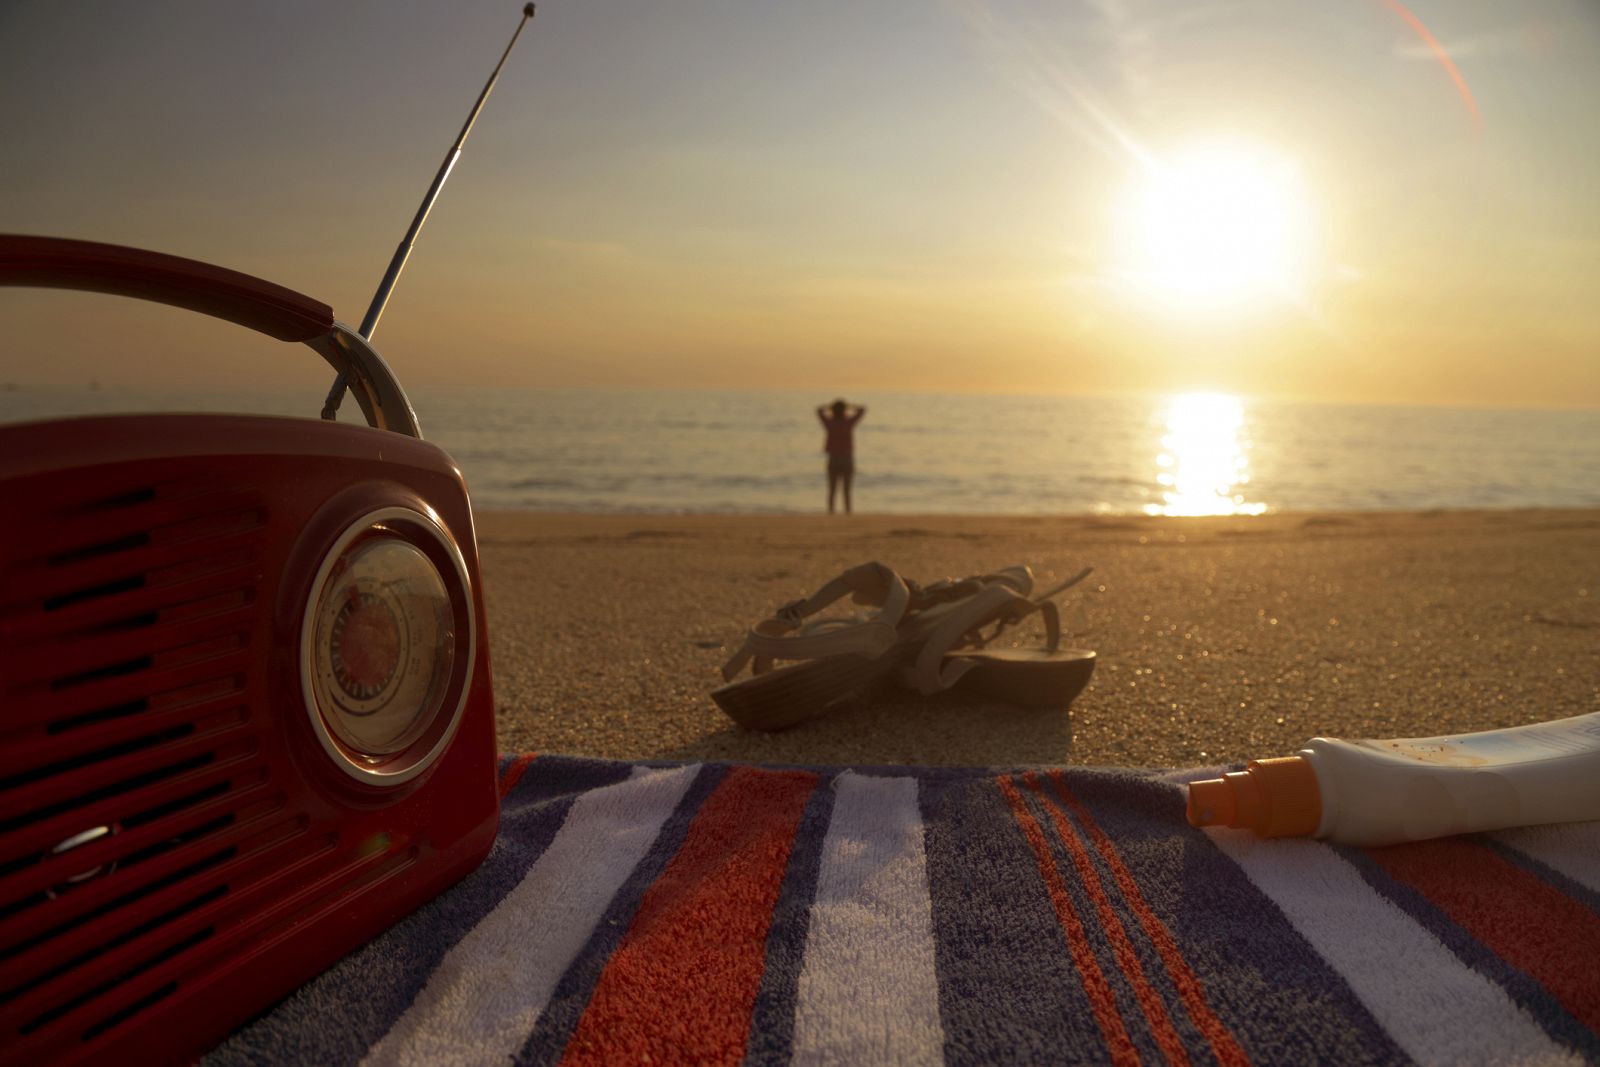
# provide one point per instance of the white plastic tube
(1383, 792)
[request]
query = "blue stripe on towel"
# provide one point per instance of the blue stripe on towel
(548, 1040)
(772, 1018)
(340, 1014)
(1521, 987)
(1281, 1000)
(1151, 968)
(1008, 991)
(1127, 1003)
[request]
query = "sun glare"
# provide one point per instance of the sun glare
(1204, 460)
(1217, 227)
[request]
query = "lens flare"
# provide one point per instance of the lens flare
(1442, 54)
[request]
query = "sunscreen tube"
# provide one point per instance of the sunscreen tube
(1412, 788)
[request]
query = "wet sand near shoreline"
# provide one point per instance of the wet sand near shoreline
(1219, 639)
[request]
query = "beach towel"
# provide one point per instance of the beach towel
(734, 914)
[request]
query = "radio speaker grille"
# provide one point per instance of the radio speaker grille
(141, 830)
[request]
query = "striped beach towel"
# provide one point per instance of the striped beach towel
(708, 913)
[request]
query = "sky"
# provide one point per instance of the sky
(1354, 201)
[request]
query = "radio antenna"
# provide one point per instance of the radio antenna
(330, 407)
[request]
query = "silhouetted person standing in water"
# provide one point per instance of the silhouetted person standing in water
(839, 419)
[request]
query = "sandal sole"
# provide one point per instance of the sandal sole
(788, 696)
(1027, 677)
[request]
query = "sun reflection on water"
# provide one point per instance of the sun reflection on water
(1203, 462)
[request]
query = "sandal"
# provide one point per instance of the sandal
(838, 656)
(955, 653)
(932, 635)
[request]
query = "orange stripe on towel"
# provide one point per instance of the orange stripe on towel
(1155, 1009)
(1216, 1032)
(514, 772)
(681, 985)
(1095, 986)
(1529, 924)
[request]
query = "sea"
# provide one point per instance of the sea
(760, 451)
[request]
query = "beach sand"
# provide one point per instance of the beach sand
(1218, 639)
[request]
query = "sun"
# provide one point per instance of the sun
(1216, 226)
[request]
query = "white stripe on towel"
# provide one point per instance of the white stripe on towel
(1573, 848)
(486, 994)
(868, 991)
(1435, 1007)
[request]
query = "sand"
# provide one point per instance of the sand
(1218, 639)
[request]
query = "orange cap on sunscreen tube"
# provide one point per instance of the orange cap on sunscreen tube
(1273, 797)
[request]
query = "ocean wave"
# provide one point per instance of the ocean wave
(758, 451)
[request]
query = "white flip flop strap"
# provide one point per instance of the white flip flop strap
(784, 636)
(1052, 625)
(1019, 577)
(1052, 612)
(931, 673)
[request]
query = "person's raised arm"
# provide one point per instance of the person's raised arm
(822, 414)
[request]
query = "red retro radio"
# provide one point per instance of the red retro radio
(245, 715)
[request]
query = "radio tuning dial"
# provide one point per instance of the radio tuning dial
(386, 634)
